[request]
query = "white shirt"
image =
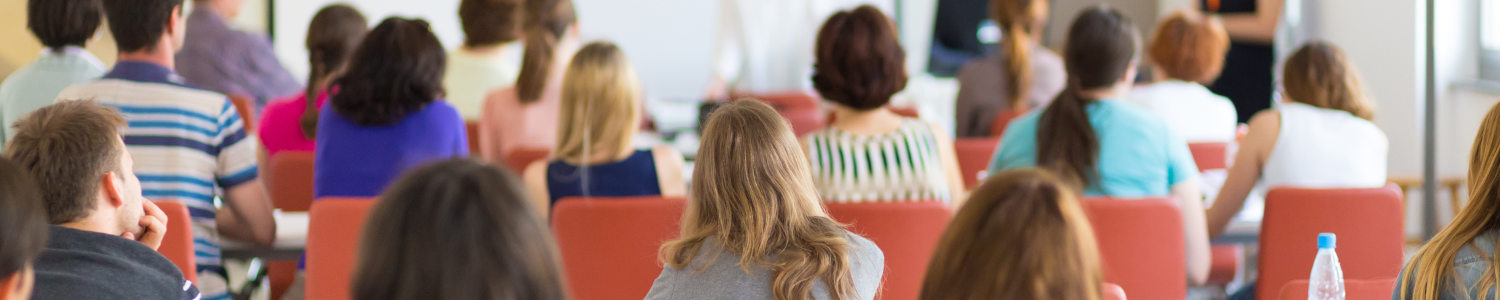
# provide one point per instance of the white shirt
(767, 45)
(1196, 114)
(1325, 148)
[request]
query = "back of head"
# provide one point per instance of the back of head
(397, 70)
(457, 229)
(1427, 276)
(753, 192)
(1101, 49)
(601, 103)
(545, 22)
(137, 25)
(859, 60)
(1189, 46)
(23, 226)
(1022, 235)
(1319, 74)
(67, 147)
(489, 22)
(62, 23)
(331, 37)
(1017, 18)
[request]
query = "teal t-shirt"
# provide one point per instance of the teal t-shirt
(1139, 156)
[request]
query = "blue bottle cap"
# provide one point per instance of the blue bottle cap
(1327, 240)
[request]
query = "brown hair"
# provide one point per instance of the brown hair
(1102, 45)
(1016, 18)
(489, 22)
(457, 229)
(331, 38)
(1430, 273)
(601, 103)
(1189, 46)
(546, 21)
(753, 192)
(860, 63)
(1022, 235)
(23, 227)
(1319, 74)
(67, 147)
(396, 70)
(62, 23)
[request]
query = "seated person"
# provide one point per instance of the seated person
(1457, 261)
(23, 231)
(65, 27)
(525, 115)
(486, 61)
(230, 61)
(387, 114)
(104, 233)
(1188, 50)
(870, 154)
(601, 112)
(1021, 75)
(1103, 146)
(291, 123)
(492, 246)
(754, 228)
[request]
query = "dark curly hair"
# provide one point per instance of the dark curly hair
(397, 70)
(860, 63)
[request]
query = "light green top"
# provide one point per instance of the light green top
(37, 84)
(471, 76)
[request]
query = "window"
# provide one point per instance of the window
(1489, 39)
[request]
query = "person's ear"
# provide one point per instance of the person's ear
(174, 19)
(112, 186)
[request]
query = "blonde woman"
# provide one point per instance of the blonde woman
(754, 228)
(1459, 263)
(598, 118)
(1022, 235)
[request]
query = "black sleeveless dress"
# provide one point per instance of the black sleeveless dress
(1247, 79)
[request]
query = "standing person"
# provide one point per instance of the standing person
(291, 123)
(65, 27)
(525, 115)
(485, 62)
(1103, 146)
(230, 61)
(1248, 66)
(104, 233)
(754, 228)
(1188, 50)
(23, 231)
(763, 46)
(1459, 262)
(191, 144)
(387, 114)
(1021, 76)
(871, 154)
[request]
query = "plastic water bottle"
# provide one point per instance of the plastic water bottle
(1327, 280)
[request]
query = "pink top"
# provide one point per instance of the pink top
(281, 124)
(505, 124)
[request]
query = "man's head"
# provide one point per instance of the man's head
(146, 25)
(62, 23)
(23, 231)
(74, 151)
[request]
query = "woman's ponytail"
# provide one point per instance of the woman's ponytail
(536, 64)
(1066, 142)
(1017, 65)
(1102, 49)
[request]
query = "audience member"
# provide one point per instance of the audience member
(105, 233)
(599, 116)
(492, 245)
(1022, 235)
(754, 228)
(64, 27)
(1020, 76)
(1101, 145)
(387, 116)
(23, 231)
(486, 61)
(860, 65)
(225, 60)
(291, 123)
(192, 145)
(525, 115)
(1188, 50)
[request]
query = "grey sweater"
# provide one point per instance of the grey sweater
(89, 265)
(724, 279)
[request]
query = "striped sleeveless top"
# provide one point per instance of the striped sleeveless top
(903, 165)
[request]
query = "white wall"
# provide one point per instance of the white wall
(292, 18)
(1384, 38)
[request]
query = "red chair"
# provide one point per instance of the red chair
(609, 245)
(804, 121)
(785, 100)
(907, 232)
(1368, 223)
(1141, 245)
(518, 159)
(1225, 264)
(1113, 292)
(799, 108)
(245, 106)
(290, 180)
(1353, 289)
(906, 111)
(1002, 121)
(973, 156)
(471, 128)
(333, 232)
(1210, 156)
(177, 245)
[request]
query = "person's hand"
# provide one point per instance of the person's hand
(155, 224)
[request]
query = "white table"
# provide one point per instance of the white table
(291, 239)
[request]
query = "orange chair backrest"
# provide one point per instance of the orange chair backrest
(785, 100)
(1353, 289)
(245, 106)
(609, 245)
(1368, 223)
(518, 159)
(1002, 121)
(177, 245)
(906, 111)
(333, 231)
(1113, 292)
(1141, 245)
(804, 120)
(798, 108)
(1210, 156)
(290, 180)
(907, 232)
(973, 156)
(471, 128)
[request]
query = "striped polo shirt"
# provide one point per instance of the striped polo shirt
(189, 146)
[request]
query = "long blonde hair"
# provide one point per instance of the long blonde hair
(753, 191)
(1432, 268)
(1319, 74)
(601, 104)
(1022, 235)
